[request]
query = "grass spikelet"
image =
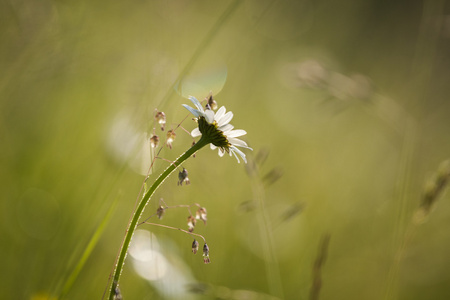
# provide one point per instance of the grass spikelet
(433, 190)
(317, 268)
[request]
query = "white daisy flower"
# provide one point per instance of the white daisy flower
(217, 129)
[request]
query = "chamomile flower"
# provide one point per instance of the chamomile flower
(218, 131)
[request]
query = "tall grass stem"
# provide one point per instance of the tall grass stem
(140, 208)
(267, 240)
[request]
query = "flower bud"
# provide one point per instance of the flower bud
(154, 141)
(201, 214)
(195, 246)
(206, 259)
(117, 294)
(211, 104)
(160, 117)
(183, 177)
(170, 138)
(160, 212)
(191, 223)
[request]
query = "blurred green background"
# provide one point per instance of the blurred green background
(346, 107)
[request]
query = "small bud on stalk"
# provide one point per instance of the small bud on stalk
(183, 177)
(160, 212)
(160, 117)
(206, 259)
(191, 223)
(170, 138)
(154, 141)
(195, 246)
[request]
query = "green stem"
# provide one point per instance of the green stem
(140, 208)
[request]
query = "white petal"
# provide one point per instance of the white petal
(236, 133)
(196, 132)
(225, 119)
(195, 112)
(226, 128)
(212, 147)
(219, 114)
(234, 149)
(221, 152)
(238, 143)
(196, 103)
(209, 115)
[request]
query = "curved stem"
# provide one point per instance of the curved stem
(170, 227)
(140, 208)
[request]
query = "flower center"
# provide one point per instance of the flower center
(213, 134)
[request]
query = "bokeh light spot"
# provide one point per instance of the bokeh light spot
(208, 75)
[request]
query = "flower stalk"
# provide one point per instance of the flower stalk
(214, 129)
(140, 208)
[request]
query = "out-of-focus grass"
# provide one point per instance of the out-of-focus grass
(70, 70)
